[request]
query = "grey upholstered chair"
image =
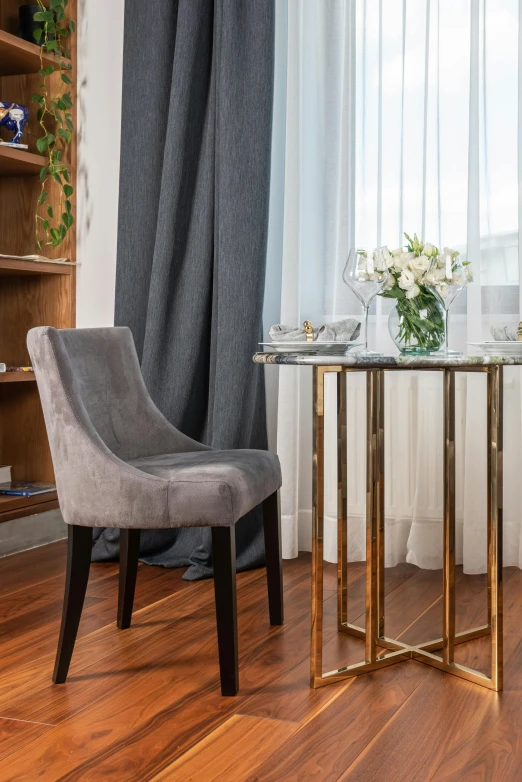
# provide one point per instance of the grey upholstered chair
(120, 463)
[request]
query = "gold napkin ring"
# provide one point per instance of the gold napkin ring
(309, 329)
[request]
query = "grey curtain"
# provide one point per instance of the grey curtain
(193, 214)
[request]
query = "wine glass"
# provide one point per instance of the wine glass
(366, 274)
(446, 279)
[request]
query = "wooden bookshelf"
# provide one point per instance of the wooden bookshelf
(31, 293)
(19, 162)
(17, 377)
(18, 57)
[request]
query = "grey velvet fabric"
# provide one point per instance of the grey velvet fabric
(118, 461)
(193, 215)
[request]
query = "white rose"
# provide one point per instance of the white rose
(406, 280)
(383, 258)
(420, 265)
(396, 252)
(362, 276)
(442, 288)
(412, 292)
(429, 250)
(439, 274)
(390, 282)
(401, 261)
(459, 279)
(453, 253)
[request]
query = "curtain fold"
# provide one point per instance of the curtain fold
(402, 116)
(194, 188)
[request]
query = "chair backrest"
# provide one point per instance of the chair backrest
(96, 373)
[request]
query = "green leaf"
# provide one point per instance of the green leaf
(43, 196)
(55, 234)
(393, 293)
(43, 173)
(37, 98)
(65, 134)
(66, 175)
(42, 143)
(68, 191)
(50, 211)
(72, 27)
(68, 219)
(58, 178)
(43, 16)
(68, 206)
(55, 3)
(46, 71)
(46, 225)
(37, 34)
(58, 155)
(50, 46)
(39, 114)
(66, 79)
(67, 99)
(69, 122)
(61, 104)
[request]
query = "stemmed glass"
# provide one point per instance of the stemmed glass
(365, 274)
(446, 279)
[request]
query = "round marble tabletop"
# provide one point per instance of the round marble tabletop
(398, 361)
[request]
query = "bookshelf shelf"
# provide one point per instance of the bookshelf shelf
(12, 267)
(19, 162)
(17, 377)
(13, 507)
(32, 293)
(18, 57)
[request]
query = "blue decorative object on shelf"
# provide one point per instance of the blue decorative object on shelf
(13, 117)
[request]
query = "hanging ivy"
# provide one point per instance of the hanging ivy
(56, 122)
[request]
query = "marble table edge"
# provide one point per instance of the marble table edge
(374, 362)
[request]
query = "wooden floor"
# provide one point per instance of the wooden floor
(144, 704)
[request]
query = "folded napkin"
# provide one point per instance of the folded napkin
(505, 333)
(341, 331)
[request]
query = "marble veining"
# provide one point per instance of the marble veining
(397, 361)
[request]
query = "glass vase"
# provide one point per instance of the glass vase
(417, 326)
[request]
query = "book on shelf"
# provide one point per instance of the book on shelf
(5, 473)
(36, 258)
(25, 489)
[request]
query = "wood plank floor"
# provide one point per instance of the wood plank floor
(144, 704)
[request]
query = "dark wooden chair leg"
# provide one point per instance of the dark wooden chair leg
(78, 564)
(274, 563)
(129, 555)
(224, 561)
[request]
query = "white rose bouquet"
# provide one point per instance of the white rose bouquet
(418, 278)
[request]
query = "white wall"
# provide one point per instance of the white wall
(100, 55)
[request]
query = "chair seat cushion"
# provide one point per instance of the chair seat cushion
(213, 488)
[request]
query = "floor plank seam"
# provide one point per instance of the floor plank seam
(28, 722)
(388, 722)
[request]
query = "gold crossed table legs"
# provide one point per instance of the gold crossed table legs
(374, 632)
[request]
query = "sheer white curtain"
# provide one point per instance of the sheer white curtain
(400, 115)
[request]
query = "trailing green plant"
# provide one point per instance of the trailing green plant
(56, 121)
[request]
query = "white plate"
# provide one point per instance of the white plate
(312, 347)
(504, 348)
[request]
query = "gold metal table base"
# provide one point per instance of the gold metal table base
(374, 635)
